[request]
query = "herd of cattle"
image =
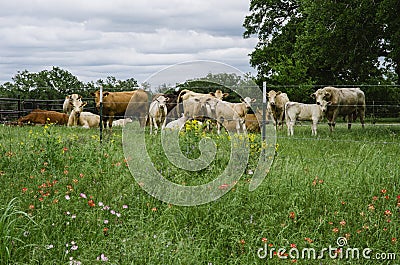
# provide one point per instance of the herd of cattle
(165, 110)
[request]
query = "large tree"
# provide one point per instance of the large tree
(324, 41)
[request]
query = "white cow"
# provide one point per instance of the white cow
(158, 113)
(177, 124)
(227, 111)
(121, 122)
(78, 117)
(67, 106)
(302, 112)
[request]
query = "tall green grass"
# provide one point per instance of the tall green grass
(87, 207)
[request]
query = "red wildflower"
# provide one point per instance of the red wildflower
(91, 203)
(383, 191)
(24, 189)
(335, 230)
(242, 241)
(394, 240)
(388, 213)
(293, 245)
(264, 239)
(292, 215)
(342, 223)
(223, 186)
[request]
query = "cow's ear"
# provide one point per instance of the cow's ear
(225, 95)
(66, 97)
(166, 99)
(212, 94)
(93, 94)
(71, 103)
(84, 104)
(313, 95)
(253, 100)
(279, 92)
(329, 103)
(105, 94)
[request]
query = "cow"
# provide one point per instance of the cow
(276, 105)
(223, 111)
(191, 100)
(38, 116)
(158, 113)
(171, 104)
(78, 117)
(177, 124)
(121, 122)
(336, 102)
(67, 107)
(251, 120)
(302, 112)
(116, 104)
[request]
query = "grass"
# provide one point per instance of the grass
(78, 203)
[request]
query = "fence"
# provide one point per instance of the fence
(13, 108)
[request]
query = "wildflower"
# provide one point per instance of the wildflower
(65, 172)
(91, 203)
(105, 221)
(112, 211)
(335, 230)
(264, 239)
(73, 216)
(388, 213)
(371, 207)
(293, 245)
(394, 240)
(309, 240)
(67, 197)
(65, 149)
(55, 201)
(49, 246)
(342, 223)
(398, 197)
(118, 215)
(102, 257)
(81, 175)
(75, 181)
(383, 191)
(242, 241)
(154, 209)
(124, 206)
(83, 195)
(374, 198)
(24, 190)
(347, 235)
(292, 215)
(105, 231)
(223, 186)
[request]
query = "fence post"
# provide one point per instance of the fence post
(264, 111)
(101, 114)
(19, 106)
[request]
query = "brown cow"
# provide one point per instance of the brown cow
(134, 103)
(335, 102)
(38, 116)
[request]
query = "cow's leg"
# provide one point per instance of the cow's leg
(155, 123)
(362, 117)
(349, 120)
(151, 125)
(314, 128)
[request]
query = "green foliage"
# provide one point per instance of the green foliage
(324, 42)
(88, 207)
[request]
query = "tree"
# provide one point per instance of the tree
(321, 42)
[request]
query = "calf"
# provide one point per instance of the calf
(276, 104)
(158, 113)
(38, 116)
(302, 112)
(78, 117)
(121, 122)
(177, 124)
(67, 107)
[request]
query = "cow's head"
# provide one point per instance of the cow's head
(272, 96)
(248, 101)
(96, 96)
(322, 98)
(218, 94)
(208, 106)
(162, 101)
(77, 107)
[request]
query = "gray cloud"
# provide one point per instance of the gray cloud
(124, 38)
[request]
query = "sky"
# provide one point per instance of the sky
(93, 39)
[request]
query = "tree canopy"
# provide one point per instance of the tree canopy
(319, 42)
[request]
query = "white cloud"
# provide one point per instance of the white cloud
(94, 39)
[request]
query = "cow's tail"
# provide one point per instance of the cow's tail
(178, 100)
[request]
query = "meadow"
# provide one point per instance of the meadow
(69, 199)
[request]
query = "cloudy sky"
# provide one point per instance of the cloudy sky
(94, 39)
